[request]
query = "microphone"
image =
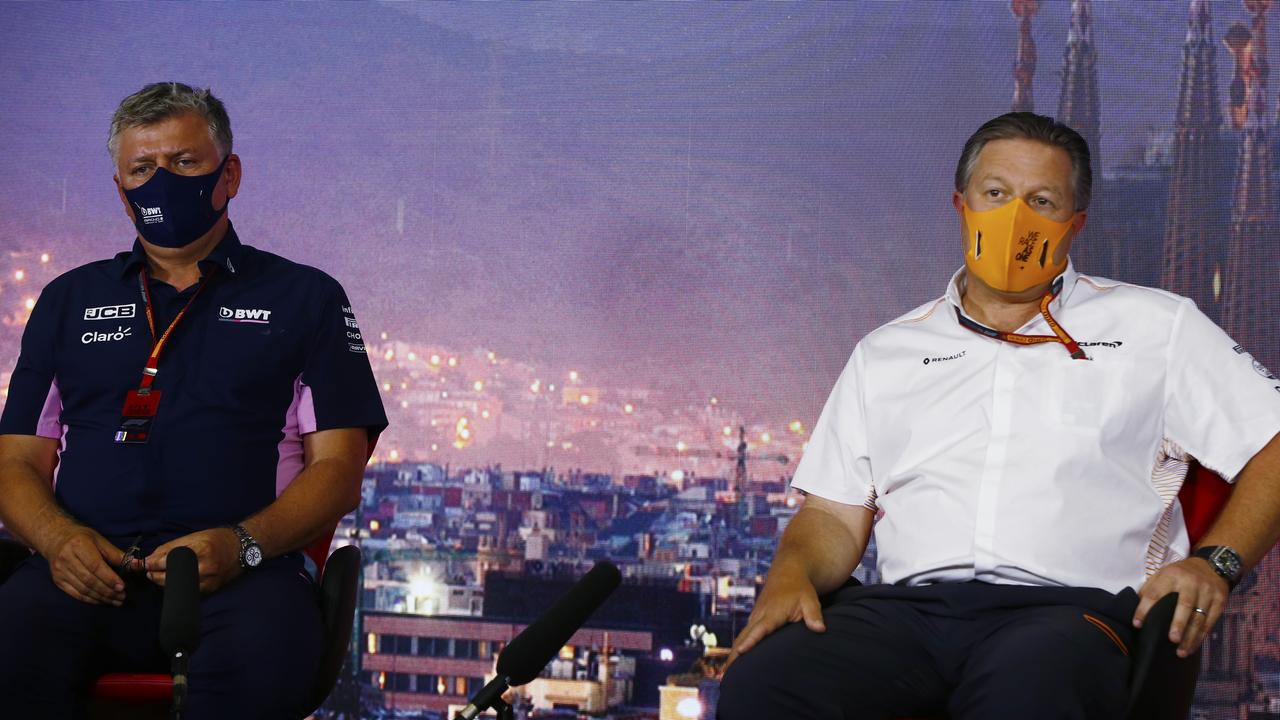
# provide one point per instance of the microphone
(180, 618)
(531, 650)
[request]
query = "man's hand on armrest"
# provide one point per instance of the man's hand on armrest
(819, 550)
(80, 559)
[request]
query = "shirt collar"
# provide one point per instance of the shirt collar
(1065, 284)
(226, 256)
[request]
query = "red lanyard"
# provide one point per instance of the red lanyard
(157, 344)
(1059, 334)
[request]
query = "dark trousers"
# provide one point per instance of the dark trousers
(963, 651)
(258, 655)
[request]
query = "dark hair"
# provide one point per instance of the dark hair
(1031, 126)
(160, 101)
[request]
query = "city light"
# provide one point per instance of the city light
(689, 708)
(728, 431)
(681, 446)
(389, 355)
(666, 655)
(371, 642)
(435, 360)
(715, 400)
(493, 356)
(677, 475)
(585, 399)
(628, 408)
(384, 336)
(394, 455)
(484, 414)
(386, 387)
(478, 385)
(404, 404)
(404, 386)
(413, 356)
(796, 427)
(20, 275)
(375, 526)
(573, 375)
(453, 362)
(765, 437)
(535, 386)
(30, 304)
(44, 257)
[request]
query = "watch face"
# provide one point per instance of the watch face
(1228, 561)
(253, 556)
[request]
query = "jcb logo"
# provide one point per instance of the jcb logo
(110, 312)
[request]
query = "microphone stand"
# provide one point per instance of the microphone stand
(179, 668)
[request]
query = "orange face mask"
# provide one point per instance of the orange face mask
(1014, 248)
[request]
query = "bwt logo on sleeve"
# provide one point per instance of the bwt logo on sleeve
(110, 312)
(244, 315)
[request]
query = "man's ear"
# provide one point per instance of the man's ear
(231, 174)
(957, 201)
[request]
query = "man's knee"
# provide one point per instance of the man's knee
(260, 651)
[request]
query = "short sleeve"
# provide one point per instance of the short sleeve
(1222, 406)
(836, 464)
(33, 406)
(338, 387)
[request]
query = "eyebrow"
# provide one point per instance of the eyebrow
(180, 151)
(1039, 188)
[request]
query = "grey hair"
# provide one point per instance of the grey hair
(160, 101)
(1030, 126)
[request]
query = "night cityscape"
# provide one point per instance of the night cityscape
(510, 466)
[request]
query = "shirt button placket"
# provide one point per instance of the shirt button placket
(993, 466)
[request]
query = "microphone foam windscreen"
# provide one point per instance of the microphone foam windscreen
(180, 613)
(532, 649)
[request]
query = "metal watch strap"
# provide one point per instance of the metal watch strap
(246, 540)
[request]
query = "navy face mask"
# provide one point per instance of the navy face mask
(172, 210)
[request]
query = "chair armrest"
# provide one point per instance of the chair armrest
(1161, 684)
(12, 553)
(337, 610)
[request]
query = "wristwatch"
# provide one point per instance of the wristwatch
(250, 550)
(1224, 561)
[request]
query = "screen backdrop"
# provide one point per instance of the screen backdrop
(601, 238)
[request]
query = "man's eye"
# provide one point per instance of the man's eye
(141, 170)
(993, 193)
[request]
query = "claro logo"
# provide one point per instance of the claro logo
(120, 333)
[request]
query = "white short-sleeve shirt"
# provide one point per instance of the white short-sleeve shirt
(1016, 464)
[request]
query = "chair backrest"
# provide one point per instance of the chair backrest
(1202, 496)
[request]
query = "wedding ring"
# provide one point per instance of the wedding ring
(1201, 611)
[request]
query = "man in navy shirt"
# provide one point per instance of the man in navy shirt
(194, 392)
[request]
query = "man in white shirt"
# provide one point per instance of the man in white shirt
(1019, 444)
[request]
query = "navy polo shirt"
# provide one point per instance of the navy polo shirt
(269, 351)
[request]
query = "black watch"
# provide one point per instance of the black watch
(250, 550)
(1224, 561)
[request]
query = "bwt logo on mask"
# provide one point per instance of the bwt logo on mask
(110, 312)
(244, 315)
(150, 215)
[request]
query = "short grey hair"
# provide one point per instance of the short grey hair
(1030, 126)
(160, 101)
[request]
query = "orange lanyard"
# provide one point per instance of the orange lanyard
(157, 344)
(1059, 333)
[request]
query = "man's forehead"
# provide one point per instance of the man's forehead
(168, 136)
(1024, 160)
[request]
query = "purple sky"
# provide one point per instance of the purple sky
(718, 199)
